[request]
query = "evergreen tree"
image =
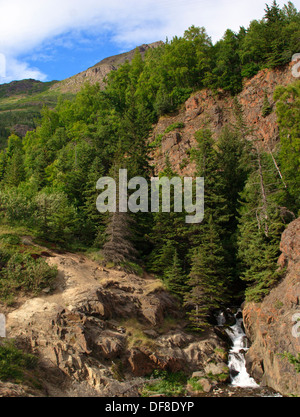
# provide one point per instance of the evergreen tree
(205, 156)
(234, 160)
(119, 248)
(227, 71)
(168, 233)
(288, 117)
(14, 162)
(175, 277)
(207, 278)
(263, 218)
(266, 108)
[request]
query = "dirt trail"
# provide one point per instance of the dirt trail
(77, 276)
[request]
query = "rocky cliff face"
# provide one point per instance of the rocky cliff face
(213, 111)
(272, 325)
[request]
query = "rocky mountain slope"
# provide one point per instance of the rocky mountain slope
(98, 72)
(272, 325)
(214, 111)
(102, 331)
(22, 101)
(269, 325)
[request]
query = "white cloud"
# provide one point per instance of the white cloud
(12, 69)
(27, 24)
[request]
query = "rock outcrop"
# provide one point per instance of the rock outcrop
(205, 109)
(273, 326)
(101, 331)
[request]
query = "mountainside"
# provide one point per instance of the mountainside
(214, 111)
(21, 102)
(100, 287)
(98, 72)
(24, 87)
(100, 332)
(268, 324)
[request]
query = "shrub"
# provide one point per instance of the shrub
(195, 384)
(13, 362)
(22, 272)
(170, 384)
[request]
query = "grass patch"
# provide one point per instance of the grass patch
(129, 267)
(171, 323)
(222, 353)
(169, 384)
(154, 286)
(14, 363)
(278, 304)
(136, 337)
(195, 384)
(158, 139)
(223, 377)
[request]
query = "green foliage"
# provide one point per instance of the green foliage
(175, 277)
(294, 360)
(157, 141)
(266, 108)
(169, 384)
(22, 272)
(55, 217)
(206, 279)
(261, 224)
(288, 117)
(227, 72)
(48, 178)
(271, 41)
(195, 384)
(14, 362)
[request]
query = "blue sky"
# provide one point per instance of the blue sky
(54, 39)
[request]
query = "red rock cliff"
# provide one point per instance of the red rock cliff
(207, 110)
(272, 325)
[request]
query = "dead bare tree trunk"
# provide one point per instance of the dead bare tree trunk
(277, 167)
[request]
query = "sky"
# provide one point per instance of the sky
(55, 39)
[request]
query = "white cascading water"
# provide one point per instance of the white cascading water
(237, 362)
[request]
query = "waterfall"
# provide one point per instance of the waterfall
(237, 362)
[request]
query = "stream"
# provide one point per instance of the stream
(237, 362)
(241, 384)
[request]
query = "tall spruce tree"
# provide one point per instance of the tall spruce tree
(207, 278)
(175, 277)
(234, 160)
(168, 233)
(119, 247)
(263, 218)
